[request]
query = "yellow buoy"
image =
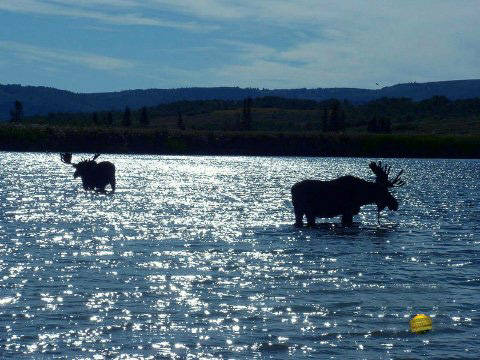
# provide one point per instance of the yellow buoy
(420, 323)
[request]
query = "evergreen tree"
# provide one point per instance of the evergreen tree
(384, 125)
(341, 122)
(180, 122)
(95, 118)
(144, 120)
(127, 117)
(247, 114)
(325, 126)
(16, 113)
(335, 117)
(372, 125)
(109, 119)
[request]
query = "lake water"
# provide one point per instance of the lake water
(197, 257)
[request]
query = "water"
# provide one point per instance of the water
(197, 257)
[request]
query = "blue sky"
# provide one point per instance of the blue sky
(109, 45)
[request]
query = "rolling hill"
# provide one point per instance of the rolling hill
(39, 100)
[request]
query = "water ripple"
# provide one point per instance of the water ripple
(196, 257)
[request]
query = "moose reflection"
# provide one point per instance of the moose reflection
(95, 176)
(344, 196)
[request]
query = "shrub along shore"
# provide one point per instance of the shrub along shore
(255, 143)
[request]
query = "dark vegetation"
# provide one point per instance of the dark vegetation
(39, 100)
(397, 127)
(437, 115)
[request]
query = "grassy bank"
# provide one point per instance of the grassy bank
(156, 141)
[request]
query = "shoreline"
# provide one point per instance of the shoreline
(156, 141)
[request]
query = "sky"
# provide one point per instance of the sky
(111, 45)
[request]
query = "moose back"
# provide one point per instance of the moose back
(344, 196)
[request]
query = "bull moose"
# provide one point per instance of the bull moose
(344, 196)
(95, 176)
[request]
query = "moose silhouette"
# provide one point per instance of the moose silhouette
(95, 176)
(344, 196)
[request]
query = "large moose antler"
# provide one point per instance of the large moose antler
(66, 158)
(382, 172)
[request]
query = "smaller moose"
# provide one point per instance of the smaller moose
(95, 176)
(344, 196)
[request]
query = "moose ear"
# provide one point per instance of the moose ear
(377, 169)
(381, 172)
(66, 158)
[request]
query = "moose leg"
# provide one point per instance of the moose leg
(85, 185)
(298, 218)
(112, 184)
(310, 219)
(347, 219)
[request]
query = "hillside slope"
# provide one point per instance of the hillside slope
(42, 100)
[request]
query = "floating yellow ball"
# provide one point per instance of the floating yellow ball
(420, 323)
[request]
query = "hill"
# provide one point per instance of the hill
(39, 100)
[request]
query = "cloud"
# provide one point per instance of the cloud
(206, 9)
(90, 3)
(354, 46)
(272, 43)
(107, 12)
(58, 57)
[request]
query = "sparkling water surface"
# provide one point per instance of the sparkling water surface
(197, 257)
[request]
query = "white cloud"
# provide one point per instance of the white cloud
(272, 43)
(207, 9)
(57, 57)
(114, 3)
(354, 46)
(99, 13)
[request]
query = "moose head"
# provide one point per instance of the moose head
(95, 176)
(383, 197)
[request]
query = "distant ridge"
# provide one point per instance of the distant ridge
(38, 100)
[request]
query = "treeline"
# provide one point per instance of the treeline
(389, 107)
(273, 114)
(39, 100)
